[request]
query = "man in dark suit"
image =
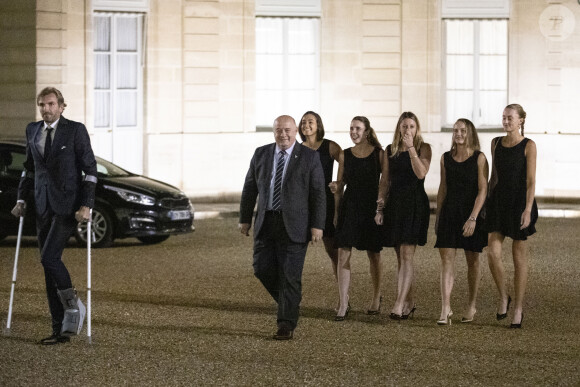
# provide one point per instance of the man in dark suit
(288, 181)
(58, 151)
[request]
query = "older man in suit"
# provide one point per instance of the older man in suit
(58, 151)
(288, 180)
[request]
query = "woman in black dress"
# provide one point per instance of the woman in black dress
(511, 207)
(359, 169)
(311, 132)
(460, 198)
(403, 206)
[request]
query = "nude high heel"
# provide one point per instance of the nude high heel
(447, 320)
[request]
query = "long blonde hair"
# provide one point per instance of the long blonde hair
(398, 138)
(472, 138)
(521, 113)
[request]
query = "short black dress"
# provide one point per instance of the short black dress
(462, 188)
(406, 212)
(507, 200)
(327, 166)
(356, 216)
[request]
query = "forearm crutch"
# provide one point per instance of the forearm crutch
(14, 271)
(89, 239)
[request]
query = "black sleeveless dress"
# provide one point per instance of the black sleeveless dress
(406, 212)
(507, 200)
(327, 166)
(462, 188)
(356, 221)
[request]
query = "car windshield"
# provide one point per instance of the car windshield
(107, 169)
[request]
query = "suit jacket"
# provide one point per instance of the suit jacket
(58, 182)
(303, 193)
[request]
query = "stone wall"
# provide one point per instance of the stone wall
(17, 66)
(377, 58)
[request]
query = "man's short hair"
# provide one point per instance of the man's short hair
(51, 90)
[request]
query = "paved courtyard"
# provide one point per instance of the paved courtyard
(189, 312)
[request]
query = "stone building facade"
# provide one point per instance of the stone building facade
(176, 89)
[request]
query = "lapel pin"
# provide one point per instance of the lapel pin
(63, 147)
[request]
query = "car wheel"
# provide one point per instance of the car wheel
(102, 229)
(151, 240)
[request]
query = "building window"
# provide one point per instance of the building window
(118, 87)
(287, 67)
(118, 79)
(475, 71)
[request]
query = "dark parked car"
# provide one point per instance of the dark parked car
(126, 204)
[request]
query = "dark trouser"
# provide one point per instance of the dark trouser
(53, 233)
(278, 264)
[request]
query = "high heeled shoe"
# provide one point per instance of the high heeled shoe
(447, 320)
(468, 320)
(517, 326)
(395, 316)
(409, 315)
(371, 312)
(342, 318)
(501, 316)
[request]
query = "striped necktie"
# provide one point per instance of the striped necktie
(276, 198)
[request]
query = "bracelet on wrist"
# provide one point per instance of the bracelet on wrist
(472, 219)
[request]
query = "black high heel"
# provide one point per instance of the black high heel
(342, 318)
(517, 326)
(394, 316)
(411, 313)
(377, 311)
(504, 315)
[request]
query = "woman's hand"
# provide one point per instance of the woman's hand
(379, 215)
(333, 185)
(526, 219)
(379, 218)
(408, 139)
(469, 227)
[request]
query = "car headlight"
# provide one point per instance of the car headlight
(131, 196)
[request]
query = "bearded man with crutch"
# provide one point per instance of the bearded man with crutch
(58, 151)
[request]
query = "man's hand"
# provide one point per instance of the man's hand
(19, 209)
(316, 234)
(244, 228)
(82, 215)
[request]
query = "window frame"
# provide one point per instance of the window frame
(476, 89)
(286, 89)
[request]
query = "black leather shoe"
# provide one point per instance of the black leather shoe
(371, 312)
(342, 318)
(517, 326)
(409, 315)
(284, 334)
(55, 338)
(394, 316)
(501, 316)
